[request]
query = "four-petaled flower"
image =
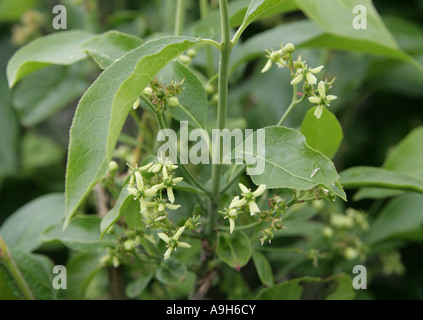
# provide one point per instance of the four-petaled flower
(160, 163)
(173, 243)
(322, 100)
(308, 73)
(249, 198)
(231, 213)
(169, 182)
(274, 57)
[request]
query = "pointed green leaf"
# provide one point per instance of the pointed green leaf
(82, 234)
(60, 48)
(171, 271)
(115, 213)
(103, 110)
(377, 177)
(324, 134)
(23, 228)
(264, 270)
(45, 92)
(290, 163)
(106, 48)
(234, 249)
(401, 216)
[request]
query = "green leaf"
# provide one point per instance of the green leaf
(81, 269)
(115, 213)
(43, 93)
(264, 270)
(290, 163)
(9, 290)
(376, 177)
(60, 48)
(235, 249)
(336, 18)
(338, 287)
(82, 234)
(37, 271)
(193, 99)
(401, 216)
(256, 9)
(103, 110)
(9, 132)
(405, 159)
(407, 156)
(324, 134)
(171, 271)
(136, 287)
(23, 228)
(106, 48)
(289, 290)
(344, 290)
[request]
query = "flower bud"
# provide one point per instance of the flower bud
(113, 167)
(191, 53)
(289, 48)
(185, 59)
(147, 92)
(173, 102)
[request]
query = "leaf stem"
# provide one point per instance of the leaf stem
(204, 8)
(292, 106)
(6, 258)
(180, 17)
(222, 106)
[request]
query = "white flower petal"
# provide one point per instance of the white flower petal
(184, 245)
(243, 188)
(331, 97)
(164, 237)
(260, 190)
(322, 89)
(318, 112)
(253, 208)
(317, 69)
(170, 195)
(172, 206)
(231, 225)
(315, 100)
(311, 79)
(168, 253)
(178, 233)
(140, 181)
(267, 66)
(297, 79)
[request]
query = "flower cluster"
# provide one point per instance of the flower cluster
(300, 72)
(238, 205)
(149, 192)
(161, 95)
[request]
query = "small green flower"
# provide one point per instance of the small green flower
(308, 73)
(322, 100)
(249, 198)
(231, 213)
(273, 57)
(160, 162)
(173, 243)
(169, 182)
(140, 191)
